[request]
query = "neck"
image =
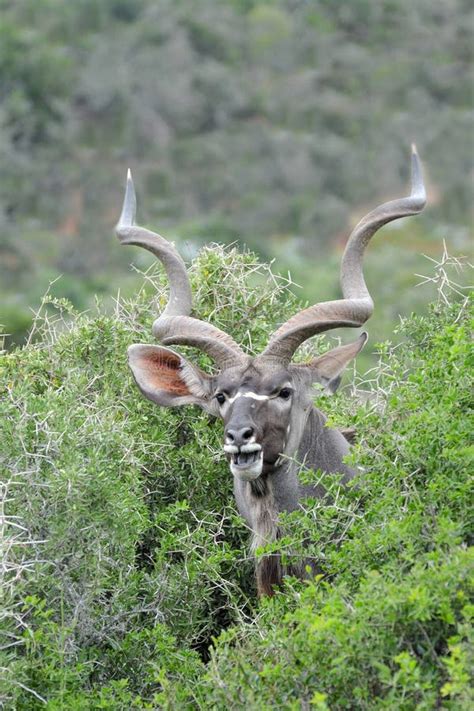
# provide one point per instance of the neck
(319, 448)
(261, 501)
(322, 447)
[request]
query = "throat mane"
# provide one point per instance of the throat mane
(265, 530)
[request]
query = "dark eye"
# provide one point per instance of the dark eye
(284, 393)
(220, 397)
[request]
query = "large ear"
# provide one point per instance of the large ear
(167, 378)
(327, 368)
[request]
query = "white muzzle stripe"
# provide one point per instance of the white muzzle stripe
(231, 448)
(251, 447)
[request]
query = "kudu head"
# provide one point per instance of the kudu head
(264, 401)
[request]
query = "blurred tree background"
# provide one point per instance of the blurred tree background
(276, 124)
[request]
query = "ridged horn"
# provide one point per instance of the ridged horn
(357, 305)
(175, 325)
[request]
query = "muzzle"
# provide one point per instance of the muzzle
(246, 460)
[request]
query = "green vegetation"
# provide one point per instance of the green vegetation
(276, 123)
(125, 581)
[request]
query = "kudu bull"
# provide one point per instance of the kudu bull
(270, 423)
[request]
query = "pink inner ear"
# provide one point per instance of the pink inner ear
(162, 370)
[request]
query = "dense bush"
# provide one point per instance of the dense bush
(126, 581)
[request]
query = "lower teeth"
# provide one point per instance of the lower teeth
(246, 459)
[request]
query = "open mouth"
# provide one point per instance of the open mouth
(246, 462)
(246, 459)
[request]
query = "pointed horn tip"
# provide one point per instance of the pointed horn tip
(129, 184)
(418, 188)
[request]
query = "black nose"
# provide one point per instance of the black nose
(239, 436)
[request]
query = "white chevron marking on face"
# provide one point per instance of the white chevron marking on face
(254, 396)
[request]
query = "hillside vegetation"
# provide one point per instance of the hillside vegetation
(126, 581)
(275, 123)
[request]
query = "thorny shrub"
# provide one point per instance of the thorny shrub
(125, 577)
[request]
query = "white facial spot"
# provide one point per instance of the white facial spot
(231, 448)
(251, 447)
